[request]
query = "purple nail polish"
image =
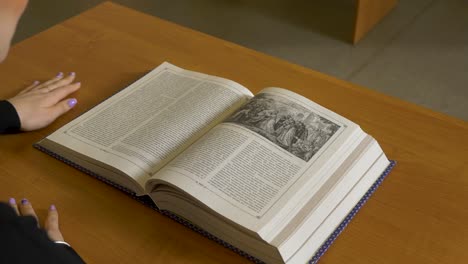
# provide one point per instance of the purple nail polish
(52, 207)
(72, 102)
(24, 201)
(72, 73)
(12, 201)
(60, 74)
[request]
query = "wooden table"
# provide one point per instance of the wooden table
(418, 215)
(368, 14)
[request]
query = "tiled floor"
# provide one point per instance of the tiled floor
(418, 53)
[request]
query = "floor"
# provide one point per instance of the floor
(418, 53)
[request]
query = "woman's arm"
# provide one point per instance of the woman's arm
(38, 105)
(23, 241)
(9, 119)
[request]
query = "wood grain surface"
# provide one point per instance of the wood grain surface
(418, 215)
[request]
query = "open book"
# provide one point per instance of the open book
(272, 174)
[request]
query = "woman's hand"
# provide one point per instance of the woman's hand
(51, 224)
(40, 104)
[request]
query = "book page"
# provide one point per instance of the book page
(250, 166)
(145, 125)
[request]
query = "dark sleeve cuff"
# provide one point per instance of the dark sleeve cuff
(71, 252)
(23, 242)
(6, 213)
(9, 119)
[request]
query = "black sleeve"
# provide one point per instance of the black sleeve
(9, 119)
(21, 241)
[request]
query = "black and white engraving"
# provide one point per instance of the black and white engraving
(287, 124)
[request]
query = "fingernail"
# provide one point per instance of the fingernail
(72, 102)
(12, 201)
(52, 207)
(35, 82)
(72, 73)
(24, 201)
(60, 74)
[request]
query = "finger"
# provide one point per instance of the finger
(58, 77)
(26, 209)
(59, 83)
(51, 224)
(62, 107)
(52, 218)
(12, 203)
(30, 87)
(58, 94)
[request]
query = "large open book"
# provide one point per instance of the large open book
(273, 174)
